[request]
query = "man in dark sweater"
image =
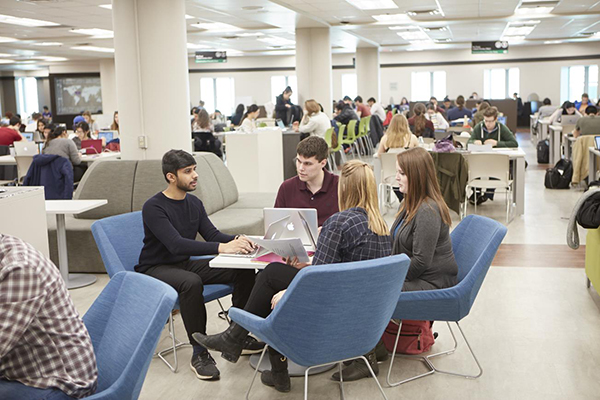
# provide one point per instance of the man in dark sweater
(172, 219)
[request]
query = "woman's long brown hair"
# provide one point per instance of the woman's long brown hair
(419, 169)
(420, 120)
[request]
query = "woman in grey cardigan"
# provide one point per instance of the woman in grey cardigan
(422, 226)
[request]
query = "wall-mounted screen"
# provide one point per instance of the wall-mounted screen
(77, 94)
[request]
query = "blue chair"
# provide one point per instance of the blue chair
(124, 324)
(331, 313)
(475, 242)
(120, 240)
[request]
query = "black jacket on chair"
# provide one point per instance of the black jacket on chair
(588, 215)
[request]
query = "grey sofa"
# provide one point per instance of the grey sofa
(127, 184)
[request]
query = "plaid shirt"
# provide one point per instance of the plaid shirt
(346, 237)
(43, 342)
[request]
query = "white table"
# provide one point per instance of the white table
(593, 163)
(568, 144)
(60, 208)
(86, 158)
(554, 139)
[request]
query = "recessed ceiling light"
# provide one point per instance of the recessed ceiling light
(276, 41)
(94, 48)
(404, 27)
(107, 6)
(95, 32)
(6, 55)
(216, 27)
(189, 16)
(50, 58)
(414, 49)
(4, 39)
(533, 10)
(252, 8)
(373, 4)
(5, 61)
(9, 19)
(414, 35)
(250, 34)
(391, 18)
(419, 13)
(553, 41)
(47, 44)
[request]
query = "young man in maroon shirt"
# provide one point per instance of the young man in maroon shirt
(313, 187)
(11, 133)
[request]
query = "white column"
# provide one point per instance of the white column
(152, 76)
(109, 87)
(367, 73)
(313, 66)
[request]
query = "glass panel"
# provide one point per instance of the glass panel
(225, 96)
(277, 87)
(513, 82)
(564, 84)
(349, 85)
(207, 93)
(593, 82)
(439, 84)
(420, 86)
(576, 82)
(498, 83)
(487, 90)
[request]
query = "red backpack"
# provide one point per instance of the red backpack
(416, 337)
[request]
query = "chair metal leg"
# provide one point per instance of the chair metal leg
(588, 283)
(224, 312)
(342, 397)
(256, 371)
(427, 360)
(176, 343)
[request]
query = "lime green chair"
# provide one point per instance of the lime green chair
(394, 111)
(332, 150)
(364, 129)
(350, 137)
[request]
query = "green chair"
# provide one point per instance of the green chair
(333, 150)
(364, 128)
(350, 138)
(394, 110)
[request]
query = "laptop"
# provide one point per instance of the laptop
(569, 119)
(281, 125)
(479, 147)
(295, 228)
(28, 136)
(108, 135)
(502, 120)
(273, 232)
(597, 140)
(92, 146)
(25, 148)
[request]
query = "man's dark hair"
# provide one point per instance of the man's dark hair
(568, 104)
(84, 126)
(288, 90)
(313, 146)
(372, 99)
(14, 121)
(358, 98)
(432, 98)
(347, 98)
(591, 110)
(35, 116)
(340, 105)
(585, 95)
(547, 101)
(45, 107)
(174, 160)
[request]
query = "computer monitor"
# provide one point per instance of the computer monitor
(28, 136)
(91, 146)
(502, 120)
(108, 135)
(597, 140)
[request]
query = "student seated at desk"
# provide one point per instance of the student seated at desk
(58, 143)
(315, 122)
(93, 125)
(567, 108)
(361, 108)
(493, 132)
(459, 111)
(547, 109)
(358, 232)
(397, 136)
(478, 116)
(172, 219)
(82, 130)
(11, 133)
(248, 124)
(419, 124)
(45, 349)
(589, 124)
(204, 140)
(39, 135)
(433, 115)
(236, 118)
(314, 186)
(582, 105)
(376, 108)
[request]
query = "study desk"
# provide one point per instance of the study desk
(568, 145)
(544, 131)
(554, 142)
(532, 134)
(593, 164)
(60, 208)
(86, 158)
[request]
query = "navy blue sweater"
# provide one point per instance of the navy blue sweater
(170, 228)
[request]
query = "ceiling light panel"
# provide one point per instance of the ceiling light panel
(94, 48)
(95, 32)
(276, 41)
(389, 19)
(216, 27)
(5, 61)
(9, 19)
(373, 4)
(47, 44)
(4, 39)
(107, 6)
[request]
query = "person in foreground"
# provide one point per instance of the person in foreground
(358, 232)
(422, 226)
(45, 349)
(172, 219)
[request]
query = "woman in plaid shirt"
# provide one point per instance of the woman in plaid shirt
(356, 233)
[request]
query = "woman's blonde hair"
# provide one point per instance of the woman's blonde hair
(357, 188)
(398, 133)
(417, 165)
(312, 107)
(89, 114)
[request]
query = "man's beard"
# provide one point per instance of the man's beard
(185, 188)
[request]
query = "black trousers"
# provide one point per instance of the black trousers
(188, 279)
(270, 281)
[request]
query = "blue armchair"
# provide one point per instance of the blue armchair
(475, 242)
(120, 240)
(124, 324)
(331, 313)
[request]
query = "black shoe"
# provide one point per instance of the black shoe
(482, 199)
(229, 343)
(278, 377)
(205, 367)
(472, 200)
(358, 369)
(252, 346)
(381, 353)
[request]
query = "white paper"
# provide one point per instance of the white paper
(285, 248)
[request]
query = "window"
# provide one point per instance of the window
(280, 82)
(218, 94)
(500, 83)
(27, 96)
(426, 84)
(577, 80)
(349, 85)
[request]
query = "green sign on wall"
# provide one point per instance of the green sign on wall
(497, 47)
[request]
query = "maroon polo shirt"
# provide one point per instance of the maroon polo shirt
(293, 193)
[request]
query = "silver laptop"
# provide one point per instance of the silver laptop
(295, 227)
(569, 119)
(23, 148)
(274, 231)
